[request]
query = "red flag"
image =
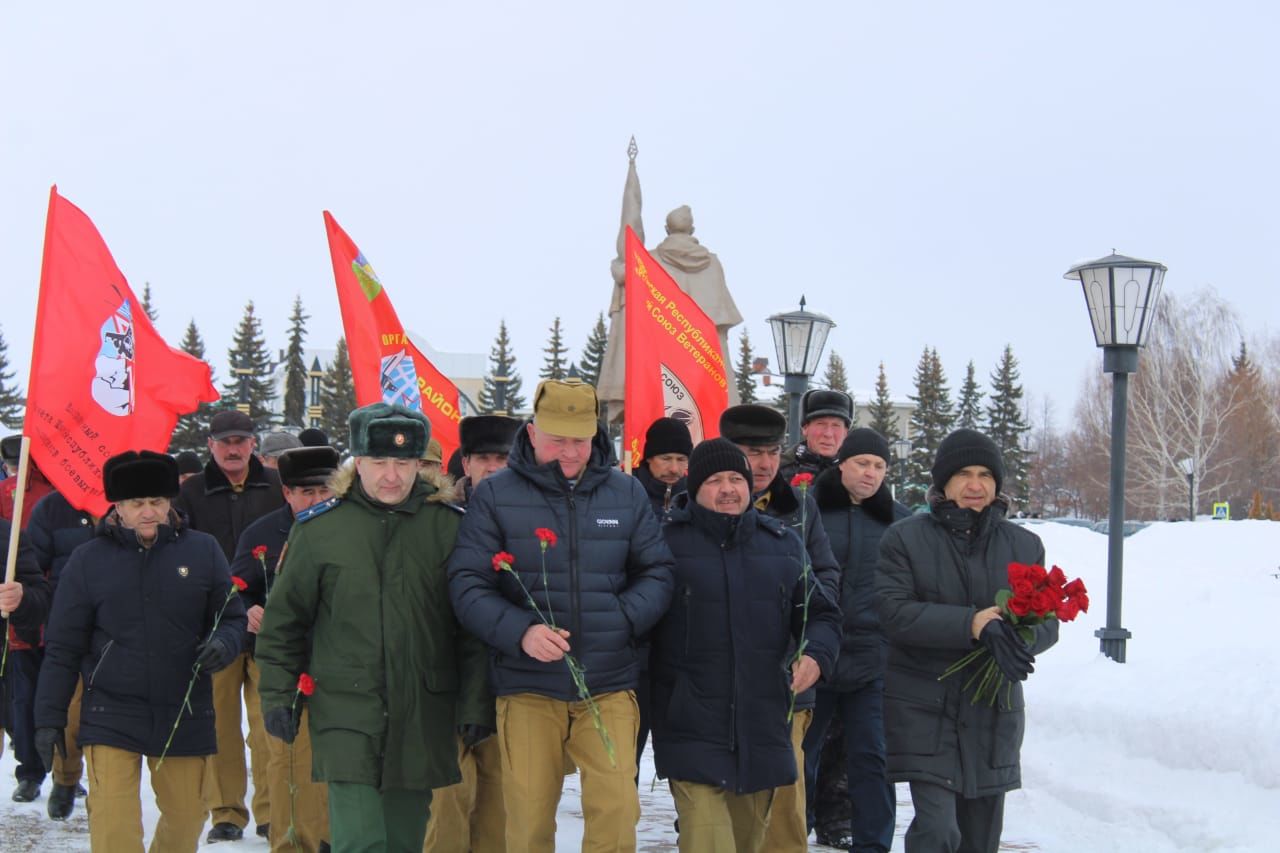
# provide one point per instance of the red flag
(385, 364)
(674, 364)
(103, 381)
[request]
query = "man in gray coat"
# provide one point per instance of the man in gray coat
(937, 581)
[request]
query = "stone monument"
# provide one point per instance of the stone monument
(694, 267)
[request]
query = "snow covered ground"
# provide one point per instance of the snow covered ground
(1176, 750)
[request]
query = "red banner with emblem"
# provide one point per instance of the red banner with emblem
(674, 365)
(385, 364)
(102, 381)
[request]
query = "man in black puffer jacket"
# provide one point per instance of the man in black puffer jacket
(607, 581)
(758, 431)
(55, 530)
(856, 510)
(723, 668)
(135, 612)
(937, 580)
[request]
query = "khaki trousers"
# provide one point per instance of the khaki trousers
(713, 820)
(230, 780)
(469, 817)
(310, 801)
(789, 825)
(115, 810)
(537, 736)
(68, 771)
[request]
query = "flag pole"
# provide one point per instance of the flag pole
(11, 564)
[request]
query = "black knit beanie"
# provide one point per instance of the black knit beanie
(712, 457)
(667, 435)
(863, 440)
(963, 448)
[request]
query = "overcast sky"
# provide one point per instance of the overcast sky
(923, 173)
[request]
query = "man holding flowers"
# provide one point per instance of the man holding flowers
(562, 622)
(145, 612)
(938, 577)
(304, 475)
(724, 662)
(361, 604)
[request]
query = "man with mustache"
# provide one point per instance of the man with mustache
(233, 491)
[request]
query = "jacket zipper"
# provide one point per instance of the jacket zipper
(576, 604)
(105, 650)
(688, 618)
(733, 658)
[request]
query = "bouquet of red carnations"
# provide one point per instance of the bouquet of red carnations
(1034, 597)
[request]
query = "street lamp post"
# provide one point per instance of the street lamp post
(901, 451)
(1188, 467)
(799, 337)
(1121, 293)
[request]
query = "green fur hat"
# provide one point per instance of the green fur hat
(381, 429)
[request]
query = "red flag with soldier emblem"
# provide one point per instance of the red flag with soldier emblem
(385, 364)
(102, 381)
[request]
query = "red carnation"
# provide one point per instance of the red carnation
(547, 536)
(239, 582)
(306, 684)
(259, 552)
(502, 560)
(802, 480)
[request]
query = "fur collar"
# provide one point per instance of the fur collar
(343, 481)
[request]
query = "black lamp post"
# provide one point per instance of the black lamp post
(901, 452)
(799, 337)
(1188, 467)
(500, 381)
(1121, 293)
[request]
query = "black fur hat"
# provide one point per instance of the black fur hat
(753, 425)
(487, 434)
(140, 474)
(824, 403)
(307, 466)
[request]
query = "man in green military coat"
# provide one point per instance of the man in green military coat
(362, 606)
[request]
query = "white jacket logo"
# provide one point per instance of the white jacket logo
(607, 522)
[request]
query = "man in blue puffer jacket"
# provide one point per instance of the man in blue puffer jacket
(722, 662)
(607, 581)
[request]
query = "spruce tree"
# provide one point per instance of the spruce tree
(502, 362)
(338, 398)
(836, 378)
(884, 419)
(192, 429)
(1007, 423)
(147, 305)
(593, 353)
(930, 423)
(556, 364)
(969, 406)
(250, 380)
(295, 369)
(745, 375)
(13, 405)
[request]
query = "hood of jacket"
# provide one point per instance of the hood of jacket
(436, 486)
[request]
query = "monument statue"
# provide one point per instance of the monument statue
(694, 267)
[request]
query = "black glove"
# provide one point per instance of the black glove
(214, 655)
(281, 723)
(47, 740)
(1007, 650)
(472, 734)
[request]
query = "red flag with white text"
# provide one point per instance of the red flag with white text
(385, 364)
(102, 380)
(674, 367)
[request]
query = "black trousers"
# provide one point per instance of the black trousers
(20, 684)
(872, 803)
(946, 822)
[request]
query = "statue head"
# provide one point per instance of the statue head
(680, 220)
